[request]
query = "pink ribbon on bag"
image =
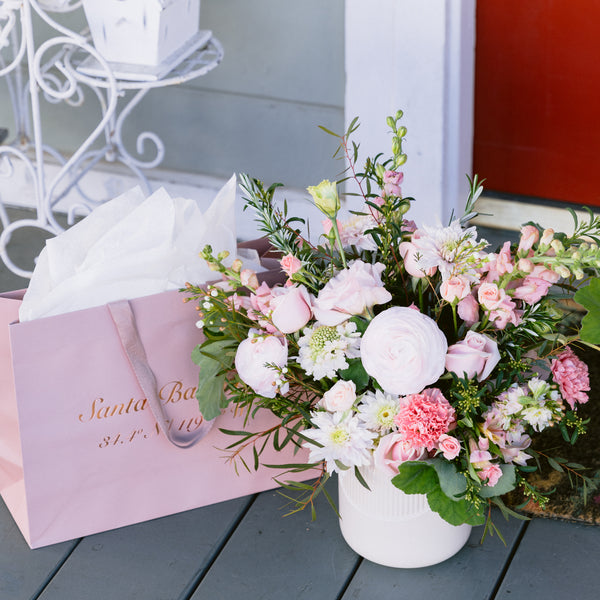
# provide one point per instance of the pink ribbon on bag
(124, 321)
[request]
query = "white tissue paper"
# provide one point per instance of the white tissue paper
(130, 247)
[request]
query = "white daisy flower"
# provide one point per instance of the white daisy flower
(344, 441)
(324, 349)
(377, 411)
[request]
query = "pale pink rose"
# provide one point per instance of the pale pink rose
(290, 264)
(391, 183)
(504, 262)
(404, 350)
(572, 376)
(529, 236)
(423, 418)
(351, 292)
(490, 295)
(449, 446)
(491, 473)
(545, 273)
(393, 450)
(409, 253)
(455, 288)
(531, 289)
(291, 308)
(339, 397)
(249, 279)
(251, 359)
(476, 356)
(468, 310)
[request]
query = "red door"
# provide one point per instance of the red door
(537, 98)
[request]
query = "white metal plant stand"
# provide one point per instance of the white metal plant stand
(59, 69)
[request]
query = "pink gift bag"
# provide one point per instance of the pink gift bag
(99, 425)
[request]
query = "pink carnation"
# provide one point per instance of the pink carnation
(423, 418)
(572, 376)
(290, 264)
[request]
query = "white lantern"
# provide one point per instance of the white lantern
(141, 32)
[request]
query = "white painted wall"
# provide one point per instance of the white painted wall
(417, 56)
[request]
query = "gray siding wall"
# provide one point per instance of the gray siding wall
(258, 112)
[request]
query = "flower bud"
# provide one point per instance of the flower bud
(326, 198)
(236, 266)
(525, 265)
(557, 246)
(547, 237)
(562, 271)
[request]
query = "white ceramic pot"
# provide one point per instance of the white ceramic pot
(392, 528)
(141, 32)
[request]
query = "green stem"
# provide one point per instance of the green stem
(338, 240)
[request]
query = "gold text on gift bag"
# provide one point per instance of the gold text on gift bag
(170, 393)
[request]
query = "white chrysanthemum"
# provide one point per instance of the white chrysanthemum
(539, 417)
(344, 441)
(377, 411)
(453, 250)
(324, 349)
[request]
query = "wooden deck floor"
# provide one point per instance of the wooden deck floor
(244, 548)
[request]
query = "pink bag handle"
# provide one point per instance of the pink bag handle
(124, 321)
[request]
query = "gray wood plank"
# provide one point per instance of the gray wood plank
(155, 560)
(470, 574)
(23, 572)
(273, 557)
(555, 560)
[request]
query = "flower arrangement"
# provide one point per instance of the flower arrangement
(411, 347)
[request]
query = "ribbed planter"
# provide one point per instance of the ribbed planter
(391, 528)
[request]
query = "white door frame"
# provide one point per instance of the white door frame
(418, 56)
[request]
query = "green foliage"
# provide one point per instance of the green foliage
(214, 359)
(420, 477)
(589, 298)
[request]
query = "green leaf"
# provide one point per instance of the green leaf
(416, 477)
(210, 393)
(589, 298)
(452, 482)
(505, 484)
(356, 373)
(455, 512)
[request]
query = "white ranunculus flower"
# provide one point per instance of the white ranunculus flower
(404, 350)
